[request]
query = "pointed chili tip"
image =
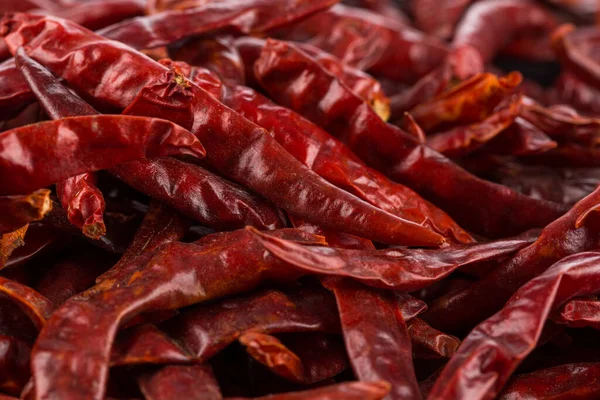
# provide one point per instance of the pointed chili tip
(413, 127)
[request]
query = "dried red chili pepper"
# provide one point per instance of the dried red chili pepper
(101, 13)
(324, 202)
(68, 145)
(574, 232)
(462, 140)
(19, 210)
(206, 330)
(373, 43)
(281, 69)
(394, 268)
(468, 102)
(492, 351)
(11, 241)
(386, 8)
(14, 365)
(337, 164)
(200, 194)
(376, 337)
(40, 239)
(347, 391)
(520, 139)
(576, 51)
(490, 25)
(439, 17)
(333, 239)
(193, 382)
(253, 17)
(146, 344)
(563, 382)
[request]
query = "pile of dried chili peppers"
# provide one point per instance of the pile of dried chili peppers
(299, 199)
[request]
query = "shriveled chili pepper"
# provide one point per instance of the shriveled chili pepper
(371, 42)
(428, 342)
(146, 344)
(391, 150)
(520, 139)
(257, 16)
(491, 352)
(71, 149)
(462, 140)
(574, 232)
(11, 241)
(335, 162)
(376, 337)
(17, 211)
(490, 25)
(14, 91)
(563, 382)
(194, 382)
(225, 153)
(575, 49)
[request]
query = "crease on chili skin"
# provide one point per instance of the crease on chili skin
(254, 147)
(328, 102)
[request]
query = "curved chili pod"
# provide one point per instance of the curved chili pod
(200, 194)
(493, 350)
(521, 139)
(37, 307)
(161, 225)
(206, 330)
(333, 239)
(98, 14)
(397, 269)
(563, 382)
(466, 103)
(376, 337)
(177, 275)
(256, 16)
(579, 313)
(462, 140)
(373, 43)
(14, 365)
(439, 17)
(342, 391)
(11, 241)
(192, 382)
(14, 91)
(71, 149)
(146, 344)
(490, 25)
(333, 161)
(270, 352)
(578, 230)
(282, 70)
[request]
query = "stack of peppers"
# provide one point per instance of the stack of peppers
(299, 199)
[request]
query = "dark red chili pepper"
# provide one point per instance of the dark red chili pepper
(193, 382)
(491, 352)
(376, 336)
(14, 365)
(14, 91)
(257, 16)
(520, 139)
(17, 211)
(576, 50)
(574, 232)
(146, 344)
(371, 42)
(490, 25)
(68, 145)
(40, 239)
(342, 391)
(428, 342)
(579, 313)
(34, 305)
(563, 382)
(100, 13)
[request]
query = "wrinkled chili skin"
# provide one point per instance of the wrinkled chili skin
(574, 232)
(200, 194)
(376, 337)
(14, 91)
(326, 101)
(193, 382)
